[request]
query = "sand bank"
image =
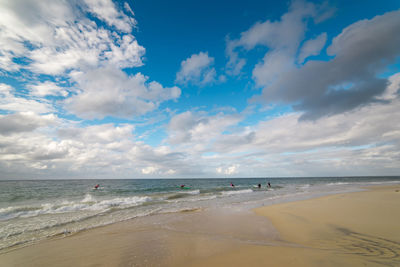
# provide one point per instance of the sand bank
(356, 229)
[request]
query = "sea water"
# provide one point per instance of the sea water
(33, 210)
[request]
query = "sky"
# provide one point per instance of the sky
(199, 89)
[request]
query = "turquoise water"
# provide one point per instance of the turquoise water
(35, 210)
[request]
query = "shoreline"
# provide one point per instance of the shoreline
(347, 229)
(279, 234)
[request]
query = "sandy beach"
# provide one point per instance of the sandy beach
(353, 229)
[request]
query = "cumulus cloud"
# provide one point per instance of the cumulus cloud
(60, 39)
(357, 142)
(47, 88)
(198, 129)
(149, 170)
(10, 102)
(350, 79)
(228, 170)
(56, 36)
(197, 69)
(312, 47)
(392, 91)
(111, 92)
(331, 140)
(85, 151)
(320, 88)
(203, 145)
(282, 37)
(24, 122)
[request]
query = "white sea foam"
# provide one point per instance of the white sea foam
(244, 191)
(193, 192)
(88, 198)
(88, 203)
(195, 199)
(338, 183)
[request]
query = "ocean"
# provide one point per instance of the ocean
(34, 210)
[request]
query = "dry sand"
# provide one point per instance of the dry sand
(356, 229)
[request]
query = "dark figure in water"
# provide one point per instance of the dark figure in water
(96, 186)
(182, 185)
(232, 185)
(269, 185)
(259, 185)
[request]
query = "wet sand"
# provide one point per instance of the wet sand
(355, 229)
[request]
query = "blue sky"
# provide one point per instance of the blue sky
(168, 89)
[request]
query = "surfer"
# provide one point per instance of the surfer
(259, 185)
(182, 186)
(96, 186)
(269, 185)
(232, 185)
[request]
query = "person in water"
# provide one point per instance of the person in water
(259, 185)
(182, 186)
(96, 186)
(269, 185)
(232, 185)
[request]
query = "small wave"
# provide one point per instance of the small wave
(193, 192)
(384, 182)
(200, 198)
(338, 183)
(87, 198)
(17, 242)
(88, 203)
(228, 193)
(183, 194)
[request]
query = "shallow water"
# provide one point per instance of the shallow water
(35, 210)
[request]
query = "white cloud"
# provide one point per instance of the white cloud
(96, 150)
(282, 37)
(350, 79)
(56, 36)
(24, 122)
(358, 142)
(107, 11)
(149, 170)
(230, 170)
(392, 90)
(60, 40)
(312, 47)
(197, 69)
(47, 88)
(10, 102)
(273, 65)
(198, 130)
(111, 92)
(103, 133)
